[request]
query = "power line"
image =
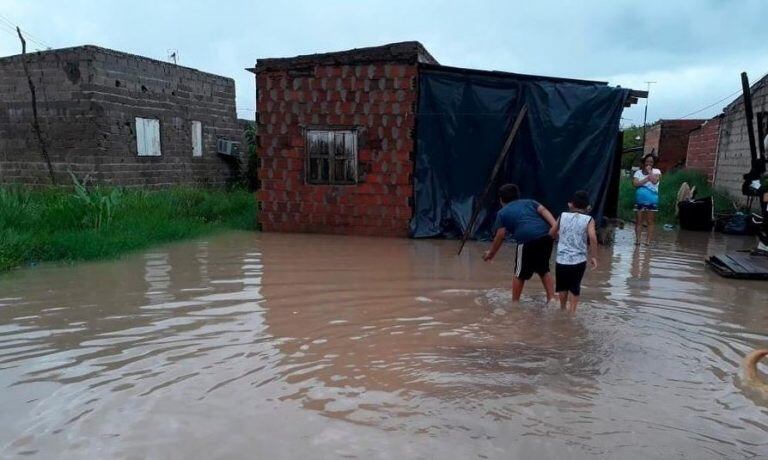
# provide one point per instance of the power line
(712, 104)
(27, 35)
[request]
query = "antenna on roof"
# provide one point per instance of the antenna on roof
(173, 56)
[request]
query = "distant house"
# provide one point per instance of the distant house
(385, 141)
(668, 140)
(116, 118)
(733, 155)
(702, 147)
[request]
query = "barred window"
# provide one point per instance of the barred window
(331, 156)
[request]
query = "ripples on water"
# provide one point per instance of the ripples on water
(286, 346)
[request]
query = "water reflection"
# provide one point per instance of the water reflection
(320, 346)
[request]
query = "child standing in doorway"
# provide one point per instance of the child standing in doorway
(577, 239)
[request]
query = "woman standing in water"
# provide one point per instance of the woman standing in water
(646, 182)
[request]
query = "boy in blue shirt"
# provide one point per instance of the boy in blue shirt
(529, 224)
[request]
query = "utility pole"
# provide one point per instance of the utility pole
(645, 117)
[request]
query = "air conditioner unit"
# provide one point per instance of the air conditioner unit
(227, 147)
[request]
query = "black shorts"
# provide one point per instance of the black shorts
(533, 257)
(568, 277)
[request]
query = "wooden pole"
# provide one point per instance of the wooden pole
(35, 121)
(494, 173)
(750, 128)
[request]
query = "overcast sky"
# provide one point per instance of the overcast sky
(693, 50)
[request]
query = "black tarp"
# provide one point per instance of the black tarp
(567, 142)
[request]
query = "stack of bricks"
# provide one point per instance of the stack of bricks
(379, 100)
(702, 148)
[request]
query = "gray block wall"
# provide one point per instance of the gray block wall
(88, 99)
(733, 157)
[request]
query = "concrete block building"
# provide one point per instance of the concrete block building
(114, 117)
(733, 155)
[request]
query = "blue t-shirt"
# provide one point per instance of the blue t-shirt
(522, 221)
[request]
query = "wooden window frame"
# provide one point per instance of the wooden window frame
(332, 155)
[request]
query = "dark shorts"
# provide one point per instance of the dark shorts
(646, 207)
(533, 257)
(568, 277)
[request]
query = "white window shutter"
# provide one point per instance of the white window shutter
(197, 139)
(148, 136)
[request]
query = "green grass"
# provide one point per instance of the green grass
(64, 225)
(668, 187)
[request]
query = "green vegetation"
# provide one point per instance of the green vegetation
(632, 139)
(668, 188)
(251, 158)
(84, 224)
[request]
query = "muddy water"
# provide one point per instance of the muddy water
(302, 346)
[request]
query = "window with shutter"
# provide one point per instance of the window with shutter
(331, 156)
(197, 139)
(148, 137)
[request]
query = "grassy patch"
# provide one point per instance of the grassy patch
(67, 225)
(668, 187)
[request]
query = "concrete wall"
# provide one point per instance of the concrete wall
(380, 100)
(733, 157)
(64, 111)
(702, 148)
(91, 97)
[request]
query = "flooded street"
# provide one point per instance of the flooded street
(306, 346)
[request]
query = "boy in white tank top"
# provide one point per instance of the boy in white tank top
(577, 239)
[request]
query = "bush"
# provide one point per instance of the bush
(668, 188)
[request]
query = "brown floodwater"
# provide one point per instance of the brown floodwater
(306, 346)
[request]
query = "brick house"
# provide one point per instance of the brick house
(702, 147)
(338, 137)
(115, 118)
(733, 155)
(668, 140)
(323, 113)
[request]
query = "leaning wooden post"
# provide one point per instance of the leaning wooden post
(35, 121)
(494, 173)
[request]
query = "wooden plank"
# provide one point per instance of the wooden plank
(494, 173)
(753, 264)
(734, 265)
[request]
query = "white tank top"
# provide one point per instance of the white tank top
(572, 239)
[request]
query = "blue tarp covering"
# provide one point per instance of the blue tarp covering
(567, 142)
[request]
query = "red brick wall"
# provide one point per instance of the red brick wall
(669, 139)
(378, 99)
(652, 138)
(702, 148)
